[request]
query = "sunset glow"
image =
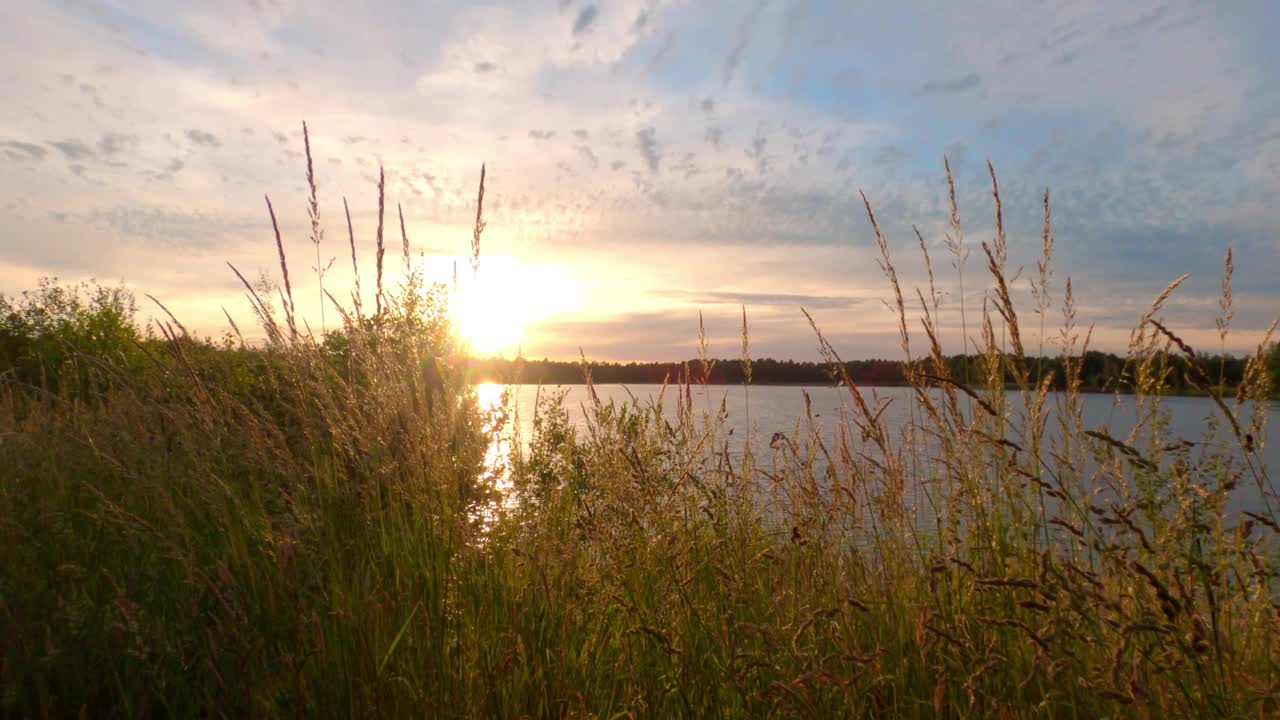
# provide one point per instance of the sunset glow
(494, 308)
(647, 161)
(642, 358)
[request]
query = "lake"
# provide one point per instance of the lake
(774, 408)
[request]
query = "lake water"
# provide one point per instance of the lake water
(775, 409)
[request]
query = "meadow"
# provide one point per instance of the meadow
(309, 525)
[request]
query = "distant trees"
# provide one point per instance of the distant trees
(58, 336)
(1099, 371)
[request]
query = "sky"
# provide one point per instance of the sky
(649, 160)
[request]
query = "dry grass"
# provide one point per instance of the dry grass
(310, 528)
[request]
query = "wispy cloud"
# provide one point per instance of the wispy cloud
(203, 137)
(950, 86)
(742, 40)
(73, 149)
(589, 156)
(586, 18)
(113, 143)
(757, 299)
(647, 144)
(18, 150)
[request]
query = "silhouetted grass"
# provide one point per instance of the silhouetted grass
(309, 527)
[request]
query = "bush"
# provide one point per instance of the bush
(52, 336)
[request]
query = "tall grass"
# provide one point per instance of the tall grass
(310, 528)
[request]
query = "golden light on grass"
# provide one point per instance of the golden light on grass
(336, 522)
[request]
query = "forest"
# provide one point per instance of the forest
(1099, 371)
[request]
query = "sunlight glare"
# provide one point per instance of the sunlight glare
(492, 309)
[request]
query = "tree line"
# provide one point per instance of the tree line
(48, 336)
(1099, 371)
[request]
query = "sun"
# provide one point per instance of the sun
(487, 319)
(493, 308)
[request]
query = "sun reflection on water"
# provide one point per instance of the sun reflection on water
(495, 403)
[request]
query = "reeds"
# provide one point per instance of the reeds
(478, 229)
(317, 232)
(308, 527)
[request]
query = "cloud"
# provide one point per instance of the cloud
(890, 154)
(663, 52)
(18, 150)
(741, 41)
(757, 151)
(172, 168)
(588, 156)
(950, 86)
(1154, 138)
(160, 227)
(647, 144)
(1139, 24)
(113, 143)
(627, 336)
(687, 166)
(757, 299)
(205, 138)
(74, 149)
(586, 18)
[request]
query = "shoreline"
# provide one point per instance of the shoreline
(1010, 388)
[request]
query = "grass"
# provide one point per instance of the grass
(308, 527)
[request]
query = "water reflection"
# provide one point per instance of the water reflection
(495, 401)
(774, 409)
(490, 398)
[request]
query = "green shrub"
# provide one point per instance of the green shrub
(51, 337)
